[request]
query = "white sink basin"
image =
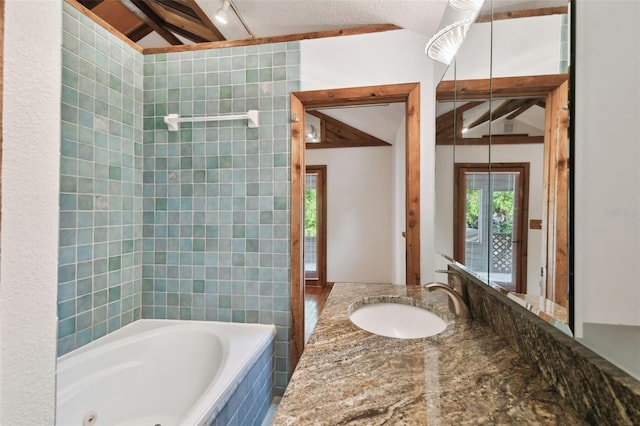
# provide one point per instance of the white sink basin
(396, 319)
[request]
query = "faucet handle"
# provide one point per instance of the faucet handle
(459, 304)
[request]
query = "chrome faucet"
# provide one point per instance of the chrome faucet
(460, 306)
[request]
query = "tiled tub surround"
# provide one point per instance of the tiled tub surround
(186, 225)
(216, 195)
(249, 403)
(466, 375)
(100, 242)
(600, 391)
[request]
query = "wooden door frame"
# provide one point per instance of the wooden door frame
(523, 225)
(555, 221)
(321, 224)
(409, 93)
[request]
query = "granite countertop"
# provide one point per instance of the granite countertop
(465, 375)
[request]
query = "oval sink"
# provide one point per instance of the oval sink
(396, 319)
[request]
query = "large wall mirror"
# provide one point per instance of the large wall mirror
(502, 168)
(502, 155)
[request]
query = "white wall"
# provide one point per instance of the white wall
(29, 237)
(524, 46)
(359, 193)
(530, 153)
(383, 58)
(607, 187)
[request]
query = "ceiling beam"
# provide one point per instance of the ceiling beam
(149, 17)
(337, 134)
(501, 110)
(526, 13)
(445, 122)
(530, 103)
(204, 19)
(504, 87)
(183, 20)
(139, 33)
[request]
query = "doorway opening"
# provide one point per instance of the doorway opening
(491, 216)
(409, 94)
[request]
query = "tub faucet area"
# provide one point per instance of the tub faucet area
(459, 304)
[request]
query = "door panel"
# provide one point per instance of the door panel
(490, 223)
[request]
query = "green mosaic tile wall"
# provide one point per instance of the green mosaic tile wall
(156, 224)
(100, 248)
(216, 195)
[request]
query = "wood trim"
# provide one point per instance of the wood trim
(522, 228)
(297, 231)
(273, 39)
(556, 202)
(409, 93)
(503, 87)
(98, 20)
(493, 140)
(412, 177)
(526, 13)
(321, 223)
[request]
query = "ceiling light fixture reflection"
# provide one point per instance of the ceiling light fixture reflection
(222, 15)
(445, 43)
(466, 4)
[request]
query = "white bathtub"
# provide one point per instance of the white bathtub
(154, 372)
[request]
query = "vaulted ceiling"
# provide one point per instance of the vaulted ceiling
(158, 23)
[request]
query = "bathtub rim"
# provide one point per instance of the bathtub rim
(202, 409)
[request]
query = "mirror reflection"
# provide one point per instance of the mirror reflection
(501, 159)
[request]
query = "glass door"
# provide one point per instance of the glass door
(490, 222)
(315, 226)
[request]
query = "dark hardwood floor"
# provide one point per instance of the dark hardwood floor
(314, 300)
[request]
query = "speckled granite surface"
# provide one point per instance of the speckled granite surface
(602, 393)
(466, 375)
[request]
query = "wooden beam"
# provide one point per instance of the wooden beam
(183, 20)
(504, 87)
(274, 39)
(501, 110)
(494, 140)
(315, 99)
(98, 20)
(526, 106)
(338, 134)
(90, 4)
(206, 21)
(149, 17)
(445, 122)
(526, 13)
(140, 32)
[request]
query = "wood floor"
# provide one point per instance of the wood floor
(314, 299)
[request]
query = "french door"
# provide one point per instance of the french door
(315, 226)
(491, 221)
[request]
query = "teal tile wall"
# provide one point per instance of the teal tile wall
(100, 247)
(216, 195)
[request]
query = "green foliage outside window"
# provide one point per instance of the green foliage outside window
(310, 212)
(502, 215)
(503, 212)
(473, 205)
